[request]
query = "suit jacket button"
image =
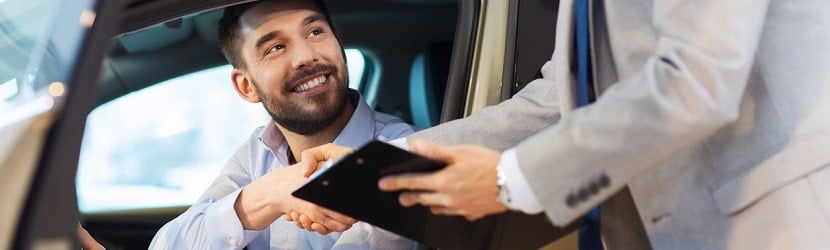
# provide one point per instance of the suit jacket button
(604, 181)
(583, 194)
(571, 201)
(593, 188)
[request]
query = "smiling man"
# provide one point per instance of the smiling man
(285, 55)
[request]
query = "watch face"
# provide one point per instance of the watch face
(501, 179)
(504, 194)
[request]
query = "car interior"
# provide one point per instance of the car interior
(394, 35)
(406, 45)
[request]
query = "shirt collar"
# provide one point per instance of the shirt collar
(356, 132)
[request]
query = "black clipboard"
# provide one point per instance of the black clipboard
(349, 187)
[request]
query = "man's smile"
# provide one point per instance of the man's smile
(312, 86)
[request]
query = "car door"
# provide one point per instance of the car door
(511, 41)
(51, 56)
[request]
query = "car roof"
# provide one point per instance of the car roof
(141, 13)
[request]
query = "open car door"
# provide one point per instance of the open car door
(52, 52)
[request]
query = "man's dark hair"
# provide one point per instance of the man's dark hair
(229, 28)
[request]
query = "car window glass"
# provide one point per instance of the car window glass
(163, 145)
(23, 24)
(357, 67)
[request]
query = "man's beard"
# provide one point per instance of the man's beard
(292, 115)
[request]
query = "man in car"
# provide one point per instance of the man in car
(286, 55)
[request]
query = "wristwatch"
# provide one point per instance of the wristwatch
(504, 193)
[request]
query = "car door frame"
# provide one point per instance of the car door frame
(508, 49)
(50, 212)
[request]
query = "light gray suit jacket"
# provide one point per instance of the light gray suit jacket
(715, 114)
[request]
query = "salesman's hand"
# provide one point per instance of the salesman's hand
(269, 197)
(313, 157)
(466, 187)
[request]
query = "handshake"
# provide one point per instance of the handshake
(466, 186)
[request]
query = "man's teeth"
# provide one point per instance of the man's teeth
(311, 84)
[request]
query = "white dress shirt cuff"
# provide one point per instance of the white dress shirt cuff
(222, 218)
(400, 143)
(521, 196)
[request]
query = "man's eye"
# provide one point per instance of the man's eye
(276, 48)
(315, 32)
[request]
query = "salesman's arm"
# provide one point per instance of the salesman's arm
(691, 86)
(534, 108)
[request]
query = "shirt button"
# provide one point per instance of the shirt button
(233, 242)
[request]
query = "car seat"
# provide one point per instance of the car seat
(428, 82)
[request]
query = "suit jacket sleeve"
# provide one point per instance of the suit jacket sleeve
(541, 103)
(501, 126)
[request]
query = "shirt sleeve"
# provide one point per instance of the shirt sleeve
(521, 196)
(212, 222)
(388, 127)
(364, 236)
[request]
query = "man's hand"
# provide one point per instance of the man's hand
(466, 187)
(305, 222)
(269, 197)
(87, 242)
(314, 156)
(311, 160)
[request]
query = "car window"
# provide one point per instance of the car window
(163, 145)
(357, 68)
(32, 83)
(23, 24)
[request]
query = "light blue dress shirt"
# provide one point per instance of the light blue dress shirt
(212, 222)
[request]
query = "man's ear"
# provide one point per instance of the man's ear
(244, 86)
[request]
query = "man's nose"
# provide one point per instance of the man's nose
(305, 54)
